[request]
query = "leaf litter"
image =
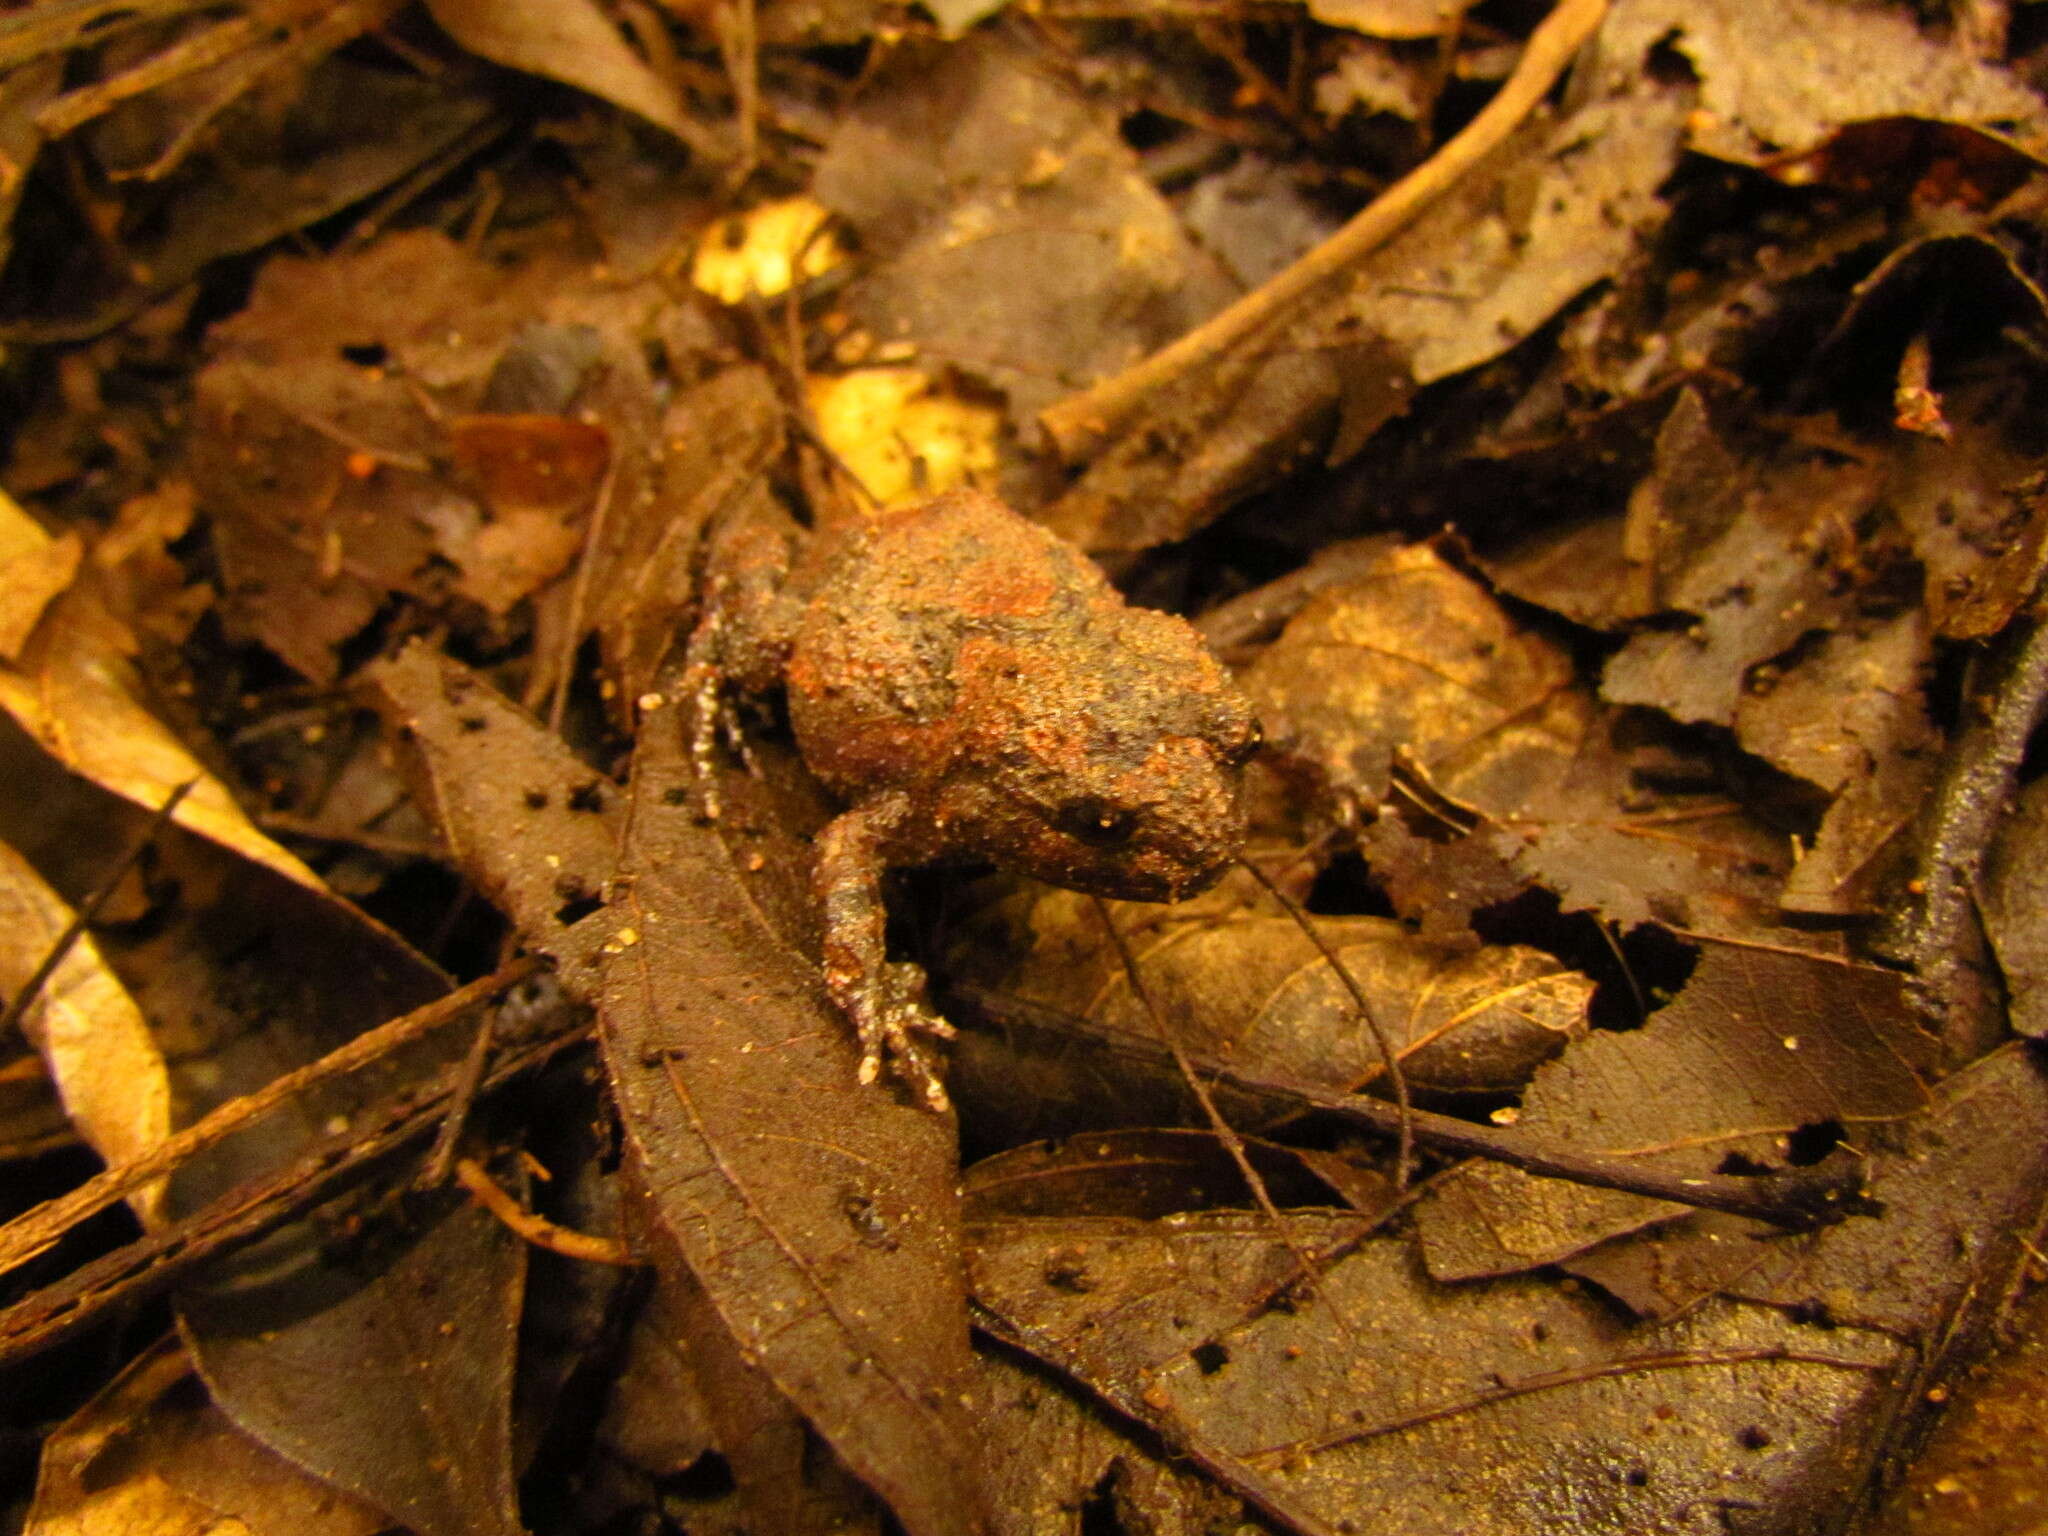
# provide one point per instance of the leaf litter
(1622, 502)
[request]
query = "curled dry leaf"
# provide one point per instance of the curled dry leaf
(1235, 983)
(575, 42)
(151, 1456)
(102, 1059)
(75, 691)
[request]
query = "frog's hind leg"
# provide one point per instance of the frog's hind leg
(883, 999)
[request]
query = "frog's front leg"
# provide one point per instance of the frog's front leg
(884, 1000)
(739, 643)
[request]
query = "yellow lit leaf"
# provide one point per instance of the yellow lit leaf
(75, 691)
(99, 1051)
(904, 439)
(766, 250)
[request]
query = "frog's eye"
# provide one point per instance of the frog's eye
(1096, 822)
(1246, 747)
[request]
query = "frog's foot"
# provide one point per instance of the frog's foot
(884, 999)
(892, 1020)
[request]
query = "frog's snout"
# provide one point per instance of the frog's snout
(1194, 825)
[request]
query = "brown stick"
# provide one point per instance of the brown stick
(40, 1226)
(247, 1212)
(1080, 424)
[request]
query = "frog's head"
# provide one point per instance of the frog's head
(1123, 777)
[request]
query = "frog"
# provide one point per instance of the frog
(973, 690)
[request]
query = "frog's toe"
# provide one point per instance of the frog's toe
(913, 1061)
(895, 1028)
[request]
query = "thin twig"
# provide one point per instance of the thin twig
(538, 1230)
(1551, 1381)
(442, 1158)
(579, 590)
(1808, 1197)
(1404, 1156)
(1080, 424)
(1279, 1503)
(31, 989)
(37, 1228)
(248, 1212)
(1225, 1133)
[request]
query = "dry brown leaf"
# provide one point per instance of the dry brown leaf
(1009, 229)
(1759, 1044)
(1241, 985)
(351, 129)
(1416, 656)
(151, 1456)
(1362, 1393)
(101, 1056)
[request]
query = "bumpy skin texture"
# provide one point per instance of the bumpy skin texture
(974, 689)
